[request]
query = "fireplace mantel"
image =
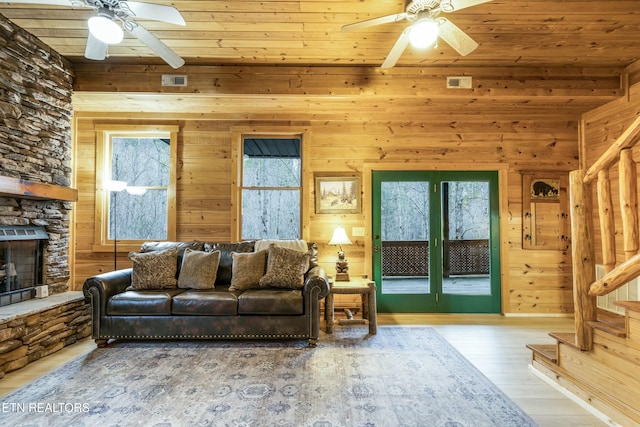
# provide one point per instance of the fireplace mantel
(14, 187)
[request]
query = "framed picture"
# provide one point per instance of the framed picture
(338, 195)
(544, 189)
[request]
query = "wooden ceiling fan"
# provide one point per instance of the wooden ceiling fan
(425, 27)
(112, 16)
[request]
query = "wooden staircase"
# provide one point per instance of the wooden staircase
(606, 377)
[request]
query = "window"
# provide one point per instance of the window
(270, 189)
(135, 199)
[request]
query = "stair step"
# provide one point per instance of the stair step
(548, 351)
(568, 338)
(611, 323)
(610, 328)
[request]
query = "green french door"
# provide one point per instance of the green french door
(436, 241)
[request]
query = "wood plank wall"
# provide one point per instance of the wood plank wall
(538, 281)
(542, 138)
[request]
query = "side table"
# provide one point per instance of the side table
(365, 288)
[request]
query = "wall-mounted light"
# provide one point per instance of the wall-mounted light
(105, 29)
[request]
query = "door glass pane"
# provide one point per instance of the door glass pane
(465, 240)
(405, 237)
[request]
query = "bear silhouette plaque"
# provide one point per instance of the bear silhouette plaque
(545, 222)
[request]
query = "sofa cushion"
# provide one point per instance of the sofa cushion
(271, 301)
(141, 303)
(199, 269)
(285, 268)
(248, 269)
(225, 267)
(154, 270)
(206, 303)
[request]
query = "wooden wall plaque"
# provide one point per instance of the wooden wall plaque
(545, 211)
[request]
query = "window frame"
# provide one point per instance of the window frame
(239, 135)
(104, 134)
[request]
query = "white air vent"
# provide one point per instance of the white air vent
(459, 82)
(174, 80)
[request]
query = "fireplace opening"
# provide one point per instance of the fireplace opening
(21, 262)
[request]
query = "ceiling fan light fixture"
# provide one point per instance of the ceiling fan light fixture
(423, 33)
(105, 29)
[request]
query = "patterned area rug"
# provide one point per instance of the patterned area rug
(403, 376)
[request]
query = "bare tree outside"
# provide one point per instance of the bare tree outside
(271, 191)
(468, 210)
(405, 210)
(143, 163)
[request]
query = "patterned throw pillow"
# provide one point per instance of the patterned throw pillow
(199, 269)
(247, 268)
(154, 270)
(285, 268)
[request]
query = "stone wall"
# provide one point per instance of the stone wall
(32, 336)
(36, 85)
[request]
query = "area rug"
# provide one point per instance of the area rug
(403, 376)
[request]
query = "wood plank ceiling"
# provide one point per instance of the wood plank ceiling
(588, 40)
(578, 33)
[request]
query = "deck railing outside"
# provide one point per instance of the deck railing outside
(411, 258)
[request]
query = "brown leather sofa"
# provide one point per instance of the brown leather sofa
(261, 313)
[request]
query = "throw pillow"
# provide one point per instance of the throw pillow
(154, 270)
(247, 269)
(199, 269)
(285, 268)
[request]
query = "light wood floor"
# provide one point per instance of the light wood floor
(493, 343)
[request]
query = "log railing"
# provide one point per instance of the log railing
(585, 287)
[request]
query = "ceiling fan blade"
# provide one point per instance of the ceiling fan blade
(67, 3)
(161, 49)
(95, 49)
(156, 12)
(454, 5)
(375, 21)
(456, 38)
(396, 50)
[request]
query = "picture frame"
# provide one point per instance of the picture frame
(338, 195)
(544, 189)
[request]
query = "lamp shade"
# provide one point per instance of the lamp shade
(105, 29)
(339, 237)
(423, 33)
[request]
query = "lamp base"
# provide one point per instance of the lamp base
(342, 277)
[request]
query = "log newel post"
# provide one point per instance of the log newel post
(583, 258)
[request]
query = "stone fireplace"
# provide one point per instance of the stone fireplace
(35, 156)
(36, 193)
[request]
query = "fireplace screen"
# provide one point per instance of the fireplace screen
(20, 262)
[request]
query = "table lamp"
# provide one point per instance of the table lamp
(342, 266)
